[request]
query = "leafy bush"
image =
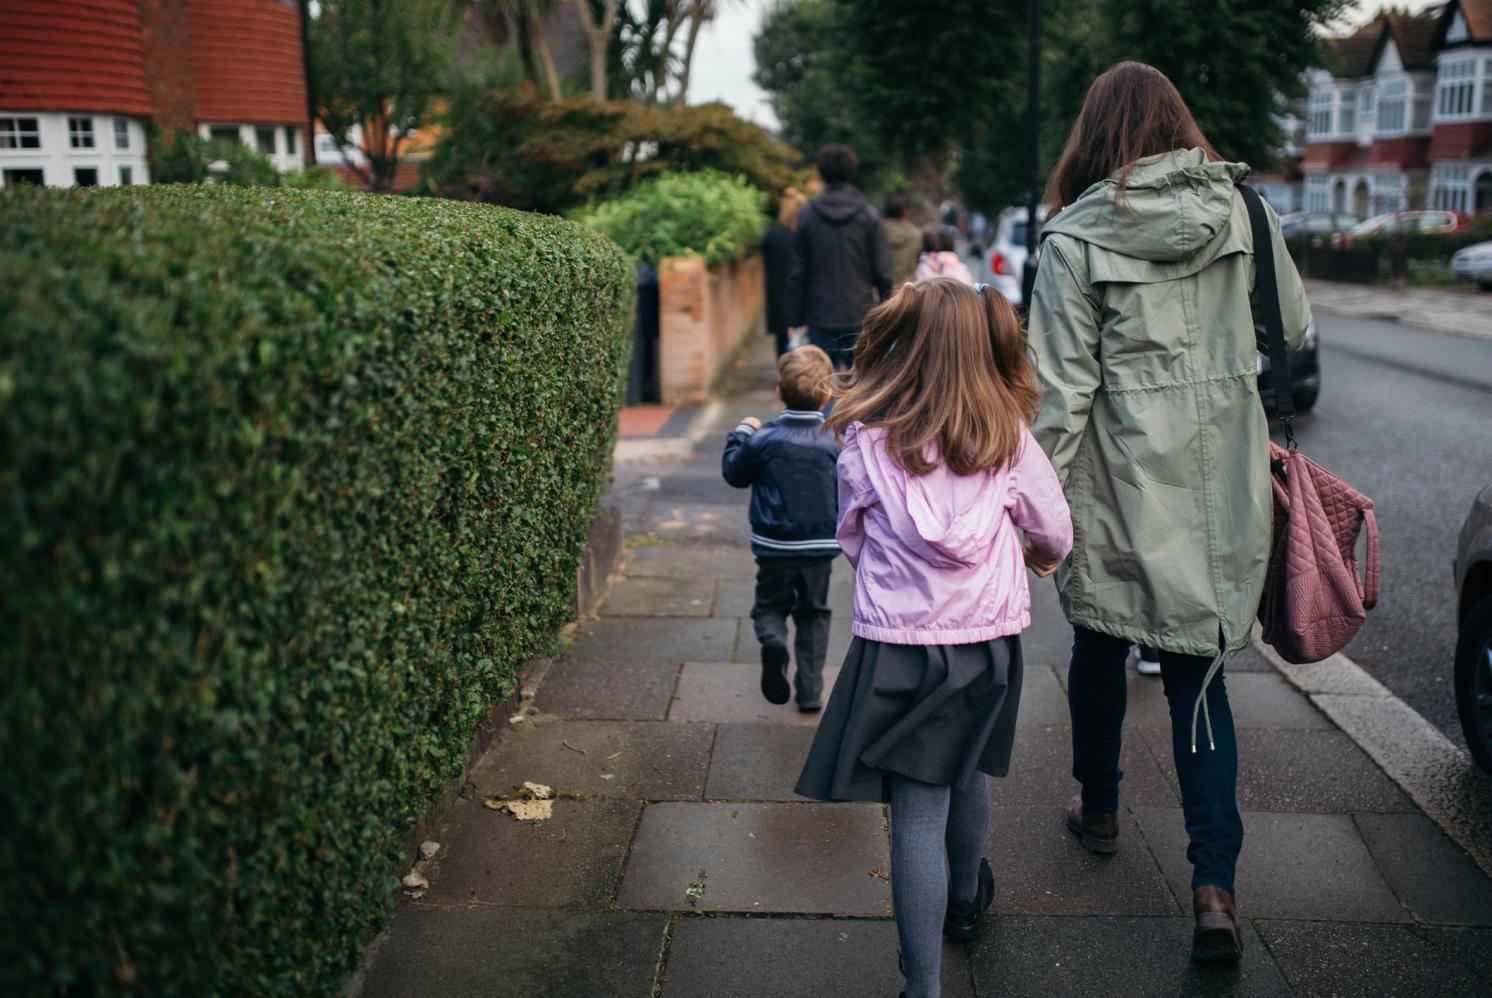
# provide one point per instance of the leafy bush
(517, 148)
(680, 214)
(290, 482)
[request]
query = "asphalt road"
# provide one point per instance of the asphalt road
(1406, 416)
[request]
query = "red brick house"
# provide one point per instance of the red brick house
(79, 81)
(1404, 117)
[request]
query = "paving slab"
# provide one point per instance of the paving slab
(603, 689)
(628, 760)
(573, 858)
(1328, 959)
(1043, 701)
(735, 598)
(764, 858)
(637, 639)
(1258, 699)
(757, 761)
(712, 522)
(691, 562)
(475, 952)
(643, 597)
(789, 958)
(1432, 876)
(731, 694)
(1139, 957)
(1318, 771)
(1313, 866)
(1041, 772)
(1041, 870)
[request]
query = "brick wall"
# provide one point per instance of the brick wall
(703, 315)
(168, 63)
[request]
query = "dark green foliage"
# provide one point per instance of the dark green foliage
(290, 482)
(514, 147)
(704, 213)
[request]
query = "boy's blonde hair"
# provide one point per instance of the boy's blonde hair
(803, 377)
(944, 369)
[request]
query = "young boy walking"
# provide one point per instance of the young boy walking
(789, 465)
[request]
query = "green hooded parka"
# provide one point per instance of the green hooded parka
(1146, 342)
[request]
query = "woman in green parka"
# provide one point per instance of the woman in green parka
(1146, 337)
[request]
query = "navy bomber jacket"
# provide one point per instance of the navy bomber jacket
(790, 466)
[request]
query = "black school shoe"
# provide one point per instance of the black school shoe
(774, 672)
(962, 923)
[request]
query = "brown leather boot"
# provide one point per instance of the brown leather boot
(1216, 937)
(1097, 832)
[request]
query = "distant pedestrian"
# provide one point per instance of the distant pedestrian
(939, 478)
(777, 259)
(789, 465)
(906, 241)
(1145, 336)
(939, 258)
(841, 262)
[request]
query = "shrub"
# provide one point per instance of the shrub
(677, 214)
(290, 482)
(517, 148)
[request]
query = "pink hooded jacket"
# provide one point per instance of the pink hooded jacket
(943, 264)
(938, 557)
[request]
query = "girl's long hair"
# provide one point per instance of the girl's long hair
(1131, 111)
(945, 370)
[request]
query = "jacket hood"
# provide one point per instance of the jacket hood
(1176, 204)
(839, 204)
(946, 519)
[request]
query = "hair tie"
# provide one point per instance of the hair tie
(979, 288)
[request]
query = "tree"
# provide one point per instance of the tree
(597, 20)
(523, 22)
(1235, 64)
(380, 67)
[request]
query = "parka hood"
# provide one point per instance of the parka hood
(1177, 206)
(839, 204)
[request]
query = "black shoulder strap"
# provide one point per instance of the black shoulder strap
(1267, 289)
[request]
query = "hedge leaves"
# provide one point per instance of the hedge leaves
(290, 482)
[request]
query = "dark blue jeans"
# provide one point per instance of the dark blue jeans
(1096, 691)
(839, 344)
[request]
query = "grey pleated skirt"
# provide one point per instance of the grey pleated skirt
(935, 713)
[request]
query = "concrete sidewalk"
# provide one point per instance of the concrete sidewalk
(677, 862)
(1458, 311)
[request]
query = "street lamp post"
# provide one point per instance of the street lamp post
(1033, 119)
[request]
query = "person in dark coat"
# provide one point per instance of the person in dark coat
(777, 257)
(842, 260)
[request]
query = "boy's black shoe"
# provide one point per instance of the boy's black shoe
(774, 672)
(811, 707)
(962, 922)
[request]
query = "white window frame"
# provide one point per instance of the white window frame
(121, 133)
(1321, 113)
(17, 133)
(81, 133)
(1394, 106)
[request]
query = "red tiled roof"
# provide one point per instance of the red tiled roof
(1353, 56)
(1478, 15)
(1414, 34)
(246, 61)
(57, 55)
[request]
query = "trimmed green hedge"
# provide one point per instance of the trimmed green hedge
(705, 213)
(290, 482)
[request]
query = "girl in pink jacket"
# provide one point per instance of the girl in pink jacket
(940, 258)
(944, 501)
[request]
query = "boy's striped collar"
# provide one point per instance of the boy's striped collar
(812, 414)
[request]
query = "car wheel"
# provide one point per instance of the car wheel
(1474, 681)
(1306, 400)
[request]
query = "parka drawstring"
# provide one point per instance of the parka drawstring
(1201, 702)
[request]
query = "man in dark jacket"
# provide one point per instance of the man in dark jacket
(842, 260)
(790, 466)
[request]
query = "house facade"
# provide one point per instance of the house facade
(1404, 118)
(80, 84)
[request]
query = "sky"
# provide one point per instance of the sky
(723, 61)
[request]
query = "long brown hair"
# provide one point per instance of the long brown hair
(940, 364)
(1131, 111)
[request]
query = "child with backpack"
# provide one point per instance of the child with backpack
(944, 501)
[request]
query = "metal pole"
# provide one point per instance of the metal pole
(1033, 122)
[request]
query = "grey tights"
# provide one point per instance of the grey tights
(926, 820)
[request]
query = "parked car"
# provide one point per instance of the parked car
(1404, 221)
(1474, 263)
(1316, 223)
(1473, 680)
(1305, 374)
(1007, 252)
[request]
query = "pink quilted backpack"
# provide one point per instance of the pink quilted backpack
(1315, 600)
